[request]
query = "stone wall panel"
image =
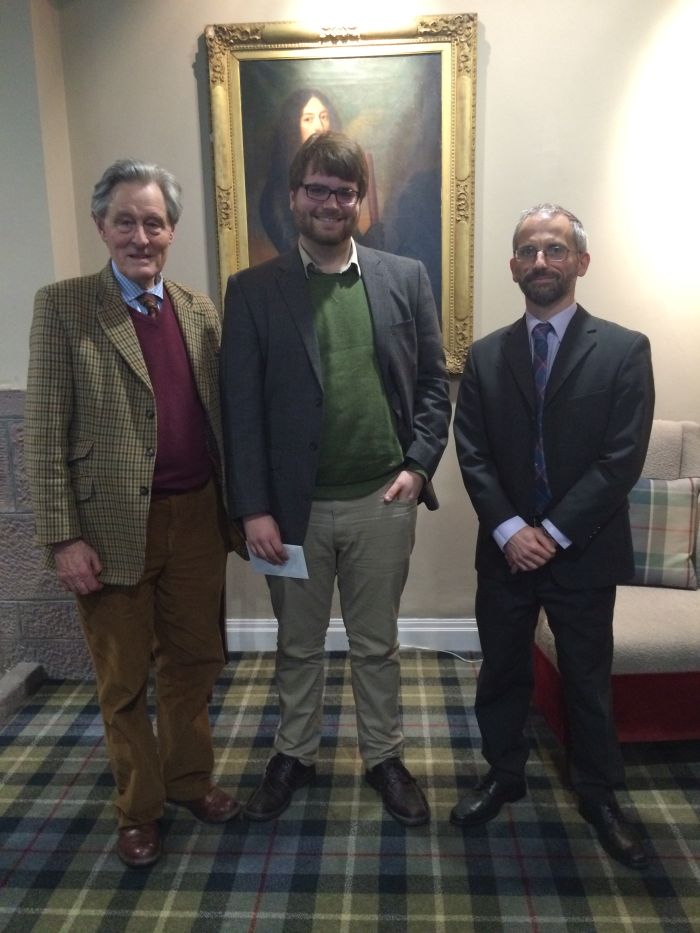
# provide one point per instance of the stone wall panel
(59, 659)
(23, 502)
(38, 620)
(52, 636)
(22, 571)
(10, 653)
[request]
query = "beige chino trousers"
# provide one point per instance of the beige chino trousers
(366, 545)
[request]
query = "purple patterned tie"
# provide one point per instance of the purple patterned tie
(150, 302)
(539, 367)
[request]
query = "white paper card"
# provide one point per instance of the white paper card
(294, 566)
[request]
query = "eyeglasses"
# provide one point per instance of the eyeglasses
(345, 197)
(555, 252)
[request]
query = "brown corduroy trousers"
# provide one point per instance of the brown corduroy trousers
(170, 619)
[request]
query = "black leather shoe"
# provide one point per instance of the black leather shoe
(282, 777)
(615, 834)
(401, 795)
(484, 802)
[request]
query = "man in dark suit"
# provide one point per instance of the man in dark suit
(335, 412)
(123, 451)
(552, 424)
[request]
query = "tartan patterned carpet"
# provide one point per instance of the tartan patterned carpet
(335, 862)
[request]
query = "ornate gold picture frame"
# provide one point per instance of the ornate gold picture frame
(407, 95)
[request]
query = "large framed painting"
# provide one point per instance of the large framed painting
(406, 95)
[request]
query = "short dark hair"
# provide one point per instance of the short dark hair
(145, 173)
(330, 153)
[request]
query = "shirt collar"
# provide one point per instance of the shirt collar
(310, 263)
(560, 321)
(131, 290)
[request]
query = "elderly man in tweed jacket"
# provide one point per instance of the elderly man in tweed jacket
(123, 450)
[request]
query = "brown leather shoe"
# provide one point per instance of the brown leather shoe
(400, 792)
(139, 846)
(215, 807)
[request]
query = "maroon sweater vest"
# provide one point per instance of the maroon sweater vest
(182, 457)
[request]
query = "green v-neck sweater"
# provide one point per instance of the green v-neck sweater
(360, 449)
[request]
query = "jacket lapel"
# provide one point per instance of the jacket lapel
(381, 304)
(294, 290)
(516, 350)
(580, 338)
(115, 320)
(188, 317)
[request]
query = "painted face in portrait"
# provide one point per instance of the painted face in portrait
(315, 118)
(137, 231)
(305, 111)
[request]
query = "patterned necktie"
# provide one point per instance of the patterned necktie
(150, 302)
(539, 367)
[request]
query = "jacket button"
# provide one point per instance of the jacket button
(150, 414)
(313, 446)
(318, 403)
(144, 490)
(150, 452)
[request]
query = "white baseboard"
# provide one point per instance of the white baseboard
(456, 635)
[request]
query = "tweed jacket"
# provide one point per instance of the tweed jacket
(598, 410)
(90, 417)
(272, 380)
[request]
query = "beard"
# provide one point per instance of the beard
(315, 230)
(545, 288)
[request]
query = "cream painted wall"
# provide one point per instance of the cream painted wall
(26, 255)
(586, 102)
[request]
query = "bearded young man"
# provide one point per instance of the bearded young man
(332, 369)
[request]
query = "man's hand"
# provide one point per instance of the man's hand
(406, 487)
(77, 566)
(529, 549)
(263, 537)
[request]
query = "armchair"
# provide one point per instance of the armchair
(656, 665)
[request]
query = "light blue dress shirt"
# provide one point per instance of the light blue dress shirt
(131, 290)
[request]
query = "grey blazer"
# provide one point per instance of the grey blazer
(272, 386)
(599, 406)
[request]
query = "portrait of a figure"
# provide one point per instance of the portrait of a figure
(390, 104)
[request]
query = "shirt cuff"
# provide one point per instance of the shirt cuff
(555, 534)
(505, 531)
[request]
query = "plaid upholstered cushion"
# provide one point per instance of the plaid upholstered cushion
(664, 517)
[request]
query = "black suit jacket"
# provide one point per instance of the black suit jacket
(272, 385)
(597, 419)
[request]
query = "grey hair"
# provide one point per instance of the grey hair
(550, 210)
(145, 173)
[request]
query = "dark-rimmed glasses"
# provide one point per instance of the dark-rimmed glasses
(345, 197)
